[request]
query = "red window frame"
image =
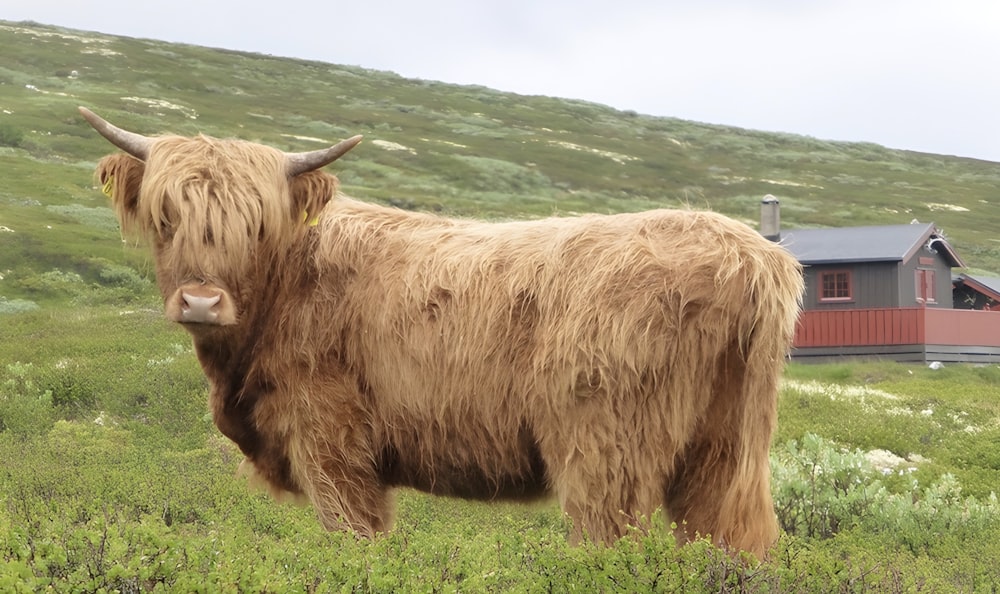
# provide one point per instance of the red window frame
(926, 287)
(836, 286)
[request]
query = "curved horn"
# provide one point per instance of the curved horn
(297, 163)
(134, 144)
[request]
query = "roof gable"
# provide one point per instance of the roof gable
(988, 286)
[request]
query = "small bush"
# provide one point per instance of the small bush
(820, 489)
(71, 391)
(54, 282)
(10, 136)
(922, 519)
(823, 492)
(116, 275)
(98, 217)
(25, 408)
(14, 306)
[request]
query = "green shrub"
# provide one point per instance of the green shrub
(116, 275)
(923, 519)
(10, 136)
(820, 489)
(14, 306)
(485, 174)
(72, 392)
(99, 217)
(53, 282)
(25, 408)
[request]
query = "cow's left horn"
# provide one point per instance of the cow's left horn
(134, 144)
(298, 163)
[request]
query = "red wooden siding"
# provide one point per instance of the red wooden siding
(963, 327)
(899, 326)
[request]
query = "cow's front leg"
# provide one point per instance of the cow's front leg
(349, 498)
(339, 475)
(333, 455)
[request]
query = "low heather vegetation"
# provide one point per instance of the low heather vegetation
(116, 479)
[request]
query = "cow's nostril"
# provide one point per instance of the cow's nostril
(196, 308)
(200, 304)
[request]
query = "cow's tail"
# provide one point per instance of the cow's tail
(774, 298)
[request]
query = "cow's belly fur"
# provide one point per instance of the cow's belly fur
(444, 462)
(484, 452)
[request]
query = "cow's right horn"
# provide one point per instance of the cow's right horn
(298, 163)
(134, 144)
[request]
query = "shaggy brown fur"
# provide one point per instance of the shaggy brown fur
(624, 363)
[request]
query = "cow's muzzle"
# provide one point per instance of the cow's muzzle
(201, 304)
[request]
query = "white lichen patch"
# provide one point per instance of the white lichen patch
(5, 229)
(58, 34)
(733, 179)
(131, 312)
(101, 51)
(44, 92)
(948, 207)
(961, 419)
(886, 462)
(393, 146)
(742, 179)
(446, 142)
(837, 391)
(898, 411)
(616, 157)
(307, 138)
(163, 104)
(84, 39)
(793, 184)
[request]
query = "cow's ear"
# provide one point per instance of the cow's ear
(120, 176)
(310, 193)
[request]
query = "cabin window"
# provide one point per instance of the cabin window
(925, 286)
(836, 285)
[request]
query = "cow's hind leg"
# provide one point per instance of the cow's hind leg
(721, 485)
(603, 502)
(603, 476)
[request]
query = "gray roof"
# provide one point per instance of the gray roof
(988, 282)
(845, 245)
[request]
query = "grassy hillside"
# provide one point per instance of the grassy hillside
(465, 150)
(113, 478)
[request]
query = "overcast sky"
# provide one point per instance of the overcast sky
(921, 75)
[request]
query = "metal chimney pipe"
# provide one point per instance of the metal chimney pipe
(770, 218)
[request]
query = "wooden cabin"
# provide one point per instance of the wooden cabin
(885, 292)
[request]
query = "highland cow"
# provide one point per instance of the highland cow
(623, 363)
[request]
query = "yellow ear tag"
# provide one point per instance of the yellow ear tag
(311, 222)
(109, 186)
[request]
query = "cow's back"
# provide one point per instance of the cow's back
(477, 319)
